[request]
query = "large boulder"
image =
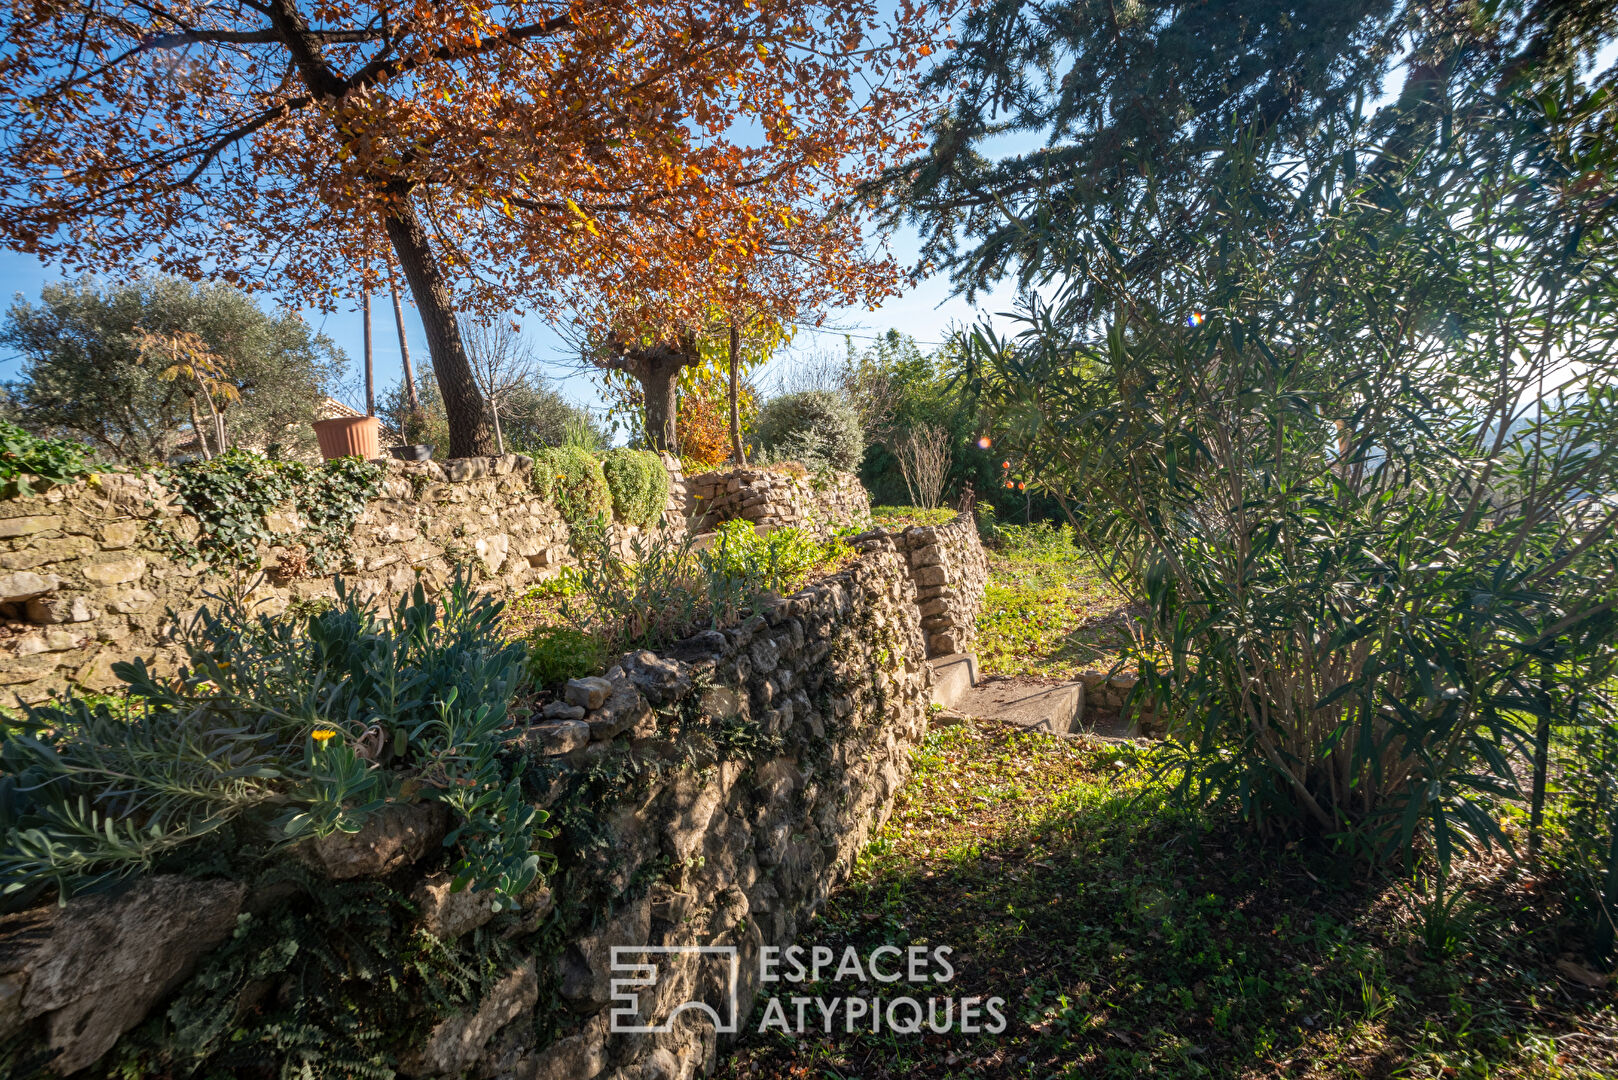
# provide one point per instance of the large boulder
(96, 968)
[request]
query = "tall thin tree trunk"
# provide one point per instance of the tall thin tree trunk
(218, 421)
(1542, 761)
(370, 366)
(404, 351)
(196, 426)
(470, 432)
(736, 449)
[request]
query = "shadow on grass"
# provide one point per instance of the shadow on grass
(1129, 938)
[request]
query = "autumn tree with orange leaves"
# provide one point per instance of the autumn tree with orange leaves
(515, 156)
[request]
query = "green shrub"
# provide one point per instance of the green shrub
(25, 457)
(570, 478)
(559, 653)
(648, 599)
(275, 729)
(816, 427)
(777, 562)
(1355, 565)
(639, 485)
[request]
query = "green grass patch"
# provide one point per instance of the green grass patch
(899, 517)
(1047, 610)
(1130, 939)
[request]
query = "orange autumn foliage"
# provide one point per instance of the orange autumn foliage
(703, 420)
(649, 156)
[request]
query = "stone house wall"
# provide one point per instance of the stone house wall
(949, 569)
(819, 699)
(774, 498)
(84, 582)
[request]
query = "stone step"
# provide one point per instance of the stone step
(953, 676)
(1038, 706)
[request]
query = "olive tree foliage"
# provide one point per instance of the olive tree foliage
(1355, 446)
(83, 374)
(533, 414)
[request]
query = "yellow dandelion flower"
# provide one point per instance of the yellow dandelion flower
(321, 735)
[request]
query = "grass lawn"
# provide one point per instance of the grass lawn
(1131, 939)
(1047, 610)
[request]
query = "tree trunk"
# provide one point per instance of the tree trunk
(659, 382)
(657, 369)
(218, 421)
(470, 433)
(1542, 761)
(404, 353)
(196, 426)
(370, 367)
(736, 449)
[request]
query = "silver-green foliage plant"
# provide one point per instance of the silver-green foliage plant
(639, 485)
(645, 595)
(1353, 443)
(657, 587)
(276, 729)
(817, 428)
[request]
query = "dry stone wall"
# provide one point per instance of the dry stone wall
(709, 796)
(773, 497)
(85, 580)
(949, 569)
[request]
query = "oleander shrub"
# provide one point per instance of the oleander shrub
(275, 729)
(815, 427)
(639, 485)
(559, 653)
(571, 479)
(1370, 520)
(28, 460)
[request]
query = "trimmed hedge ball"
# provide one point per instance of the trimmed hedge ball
(639, 485)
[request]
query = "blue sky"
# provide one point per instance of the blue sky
(926, 312)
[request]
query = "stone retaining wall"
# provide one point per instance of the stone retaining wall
(772, 497)
(710, 796)
(84, 581)
(949, 569)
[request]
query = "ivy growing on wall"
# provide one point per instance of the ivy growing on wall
(233, 495)
(28, 461)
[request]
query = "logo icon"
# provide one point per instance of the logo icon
(625, 1019)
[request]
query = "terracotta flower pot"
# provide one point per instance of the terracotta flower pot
(350, 436)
